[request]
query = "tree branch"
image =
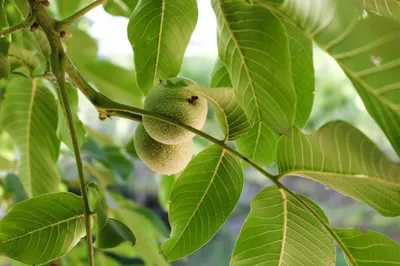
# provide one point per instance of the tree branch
(57, 61)
(67, 22)
(24, 24)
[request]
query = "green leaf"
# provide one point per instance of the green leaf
(278, 231)
(113, 234)
(81, 54)
(159, 32)
(146, 237)
(122, 8)
(43, 228)
(230, 115)
(220, 76)
(63, 132)
(113, 81)
(164, 190)
(18, 56)
(93, 196)
(30, 117)
(201, 200)
(301, 54)
(341, 157)
(13, 187)
(369, 248)
(6, 165)
(265, 91)
(4, 44)
(387, 8)
(67, 8)
(364, 45)
(259, 144)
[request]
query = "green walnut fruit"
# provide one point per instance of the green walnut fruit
(182, 104)
(162, 158)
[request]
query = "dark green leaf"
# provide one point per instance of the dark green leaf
(113, 234)
(259, 144)
(366, 47)
(220, 76)
(43, 228)
(264, 90)
(369, 248)
(201, 200)
(278, 231)
(29, 115)
(4, 44)
(13, 187)
(63, 132)
(122, 8)
(341, 157)
(159, 32)
(93, 196)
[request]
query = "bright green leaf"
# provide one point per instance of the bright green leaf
(369, 248)
(301, 53)
(146, 237)
(341, 157)
(159, 32)
(366, 47)
(29, 115)
(164, 190)
(264, 90)
(259, 144)
(43, 228)
(230, 115)
(4, 44)
(122, 8)
(220, 76)
(6, 165)
(63, 132)
(278, 231)
(67, 8)
(387, 8)
(201, 200)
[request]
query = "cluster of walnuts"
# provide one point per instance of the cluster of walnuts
(164, 147)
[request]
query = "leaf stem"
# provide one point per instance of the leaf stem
(57, 61)
(24, 24)
(67, 22)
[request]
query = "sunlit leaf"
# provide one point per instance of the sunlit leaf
(220, 76)
(63, 132)
(264, 90)
(387, 8)
(301, 53)
(369, 248)
(4, 44)
(341, 157)
(6, 165)
(278, 231)
(33, 127)
(366, 47)
(120, 7)
(43, 228)
(159, 32)
(201, 200)
(230, 115)
(146, 238)
(164, 190)
(259, 144)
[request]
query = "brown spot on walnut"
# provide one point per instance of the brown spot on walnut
(193, 99)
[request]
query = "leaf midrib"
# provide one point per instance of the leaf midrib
(233, 37)
(28, 134)
(201, 200)
(76, 217)
(367, 177)
(159, 39)
(284, 197)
